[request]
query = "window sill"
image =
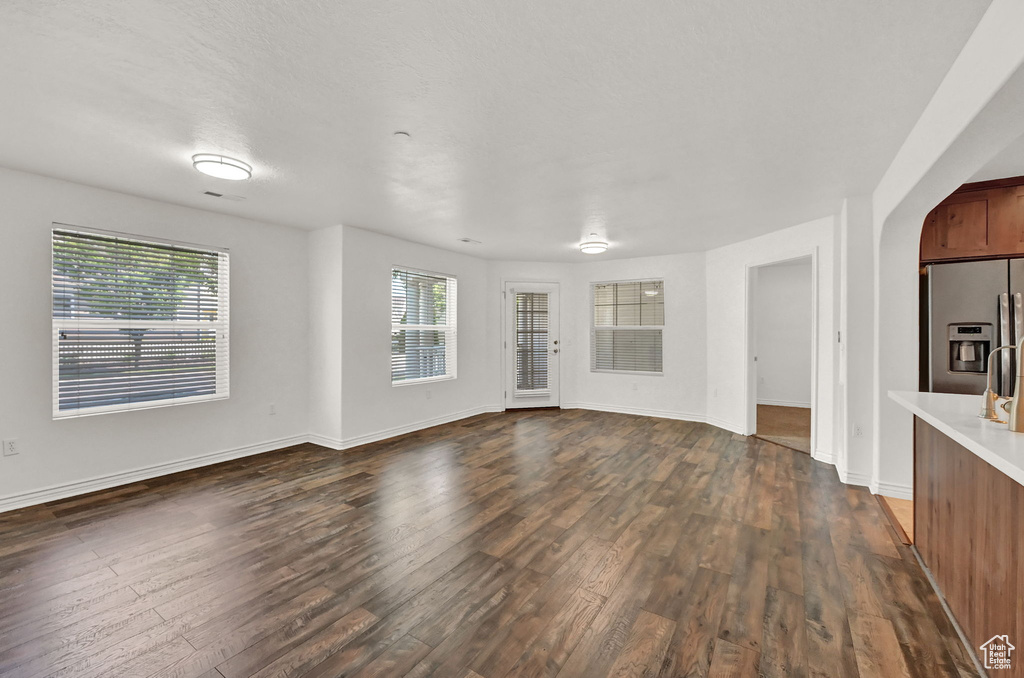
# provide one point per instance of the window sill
(138, 407)
(643, 374)
(424, 380)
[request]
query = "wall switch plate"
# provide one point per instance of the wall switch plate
(634, 385)
(273, 409)
(429, 395)
(10, 447)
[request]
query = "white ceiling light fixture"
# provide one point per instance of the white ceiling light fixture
(221, 166)
(593, 245)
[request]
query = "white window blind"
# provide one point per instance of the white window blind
(423, 326)
(137, 323)
(628, 321)
(532, 342)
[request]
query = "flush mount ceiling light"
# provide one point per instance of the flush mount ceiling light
(221, 166)
(593, 245)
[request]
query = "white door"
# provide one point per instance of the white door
(532, 348)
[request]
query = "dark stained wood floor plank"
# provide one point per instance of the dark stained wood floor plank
(523, 544)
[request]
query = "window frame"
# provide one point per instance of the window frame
(594, 327)
(450, 328)
(221, 326)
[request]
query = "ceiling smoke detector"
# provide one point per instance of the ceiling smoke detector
(221, 166)
(593, 245)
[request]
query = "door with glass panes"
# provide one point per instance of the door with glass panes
(532, 348)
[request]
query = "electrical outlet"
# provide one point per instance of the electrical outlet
(634, 385)
(10, 447)
(273, 409)
(429, 394)
(760, 380)
(858, 432)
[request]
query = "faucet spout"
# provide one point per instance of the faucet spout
(988, 404)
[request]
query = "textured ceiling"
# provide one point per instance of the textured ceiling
(662, 126)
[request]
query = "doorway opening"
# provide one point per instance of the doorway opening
(531, 348)
(783, 340)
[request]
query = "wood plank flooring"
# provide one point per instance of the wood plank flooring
(786, 426)
(539, 543)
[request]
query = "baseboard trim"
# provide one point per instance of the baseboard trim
(892, 490)
(853, 478)
(727, 425)
(659, 414)
(377, 436)
(824, 456)
(325, 441)
(56, 492)
(783, 403)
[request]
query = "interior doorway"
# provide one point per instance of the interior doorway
(783, 337)
(531, 345)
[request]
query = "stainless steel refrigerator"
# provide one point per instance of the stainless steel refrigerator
(973, 308)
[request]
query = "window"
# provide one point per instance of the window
(628, 321)
(423, 336)
(137, 323)
(532, 343)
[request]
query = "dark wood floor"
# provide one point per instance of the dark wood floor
(538, 543)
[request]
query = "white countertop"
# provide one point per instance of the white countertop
(957, 417)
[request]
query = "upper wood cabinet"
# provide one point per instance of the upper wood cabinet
(979, 221)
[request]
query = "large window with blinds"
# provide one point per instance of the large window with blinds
(628, 321)
(423, 326)
(137, 322)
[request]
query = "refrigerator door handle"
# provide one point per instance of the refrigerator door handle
(1004, 340)
(1018, 317)
(1018, 334)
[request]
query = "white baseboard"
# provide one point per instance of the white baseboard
(325, 441)
(377, 436)
(824, 456)
(727, 425)
(783, 403)
(55, 492)
(894, 490)
(660, 414)
(854, 478)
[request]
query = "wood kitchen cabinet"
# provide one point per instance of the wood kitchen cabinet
(979, 221)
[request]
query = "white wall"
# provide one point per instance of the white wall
(974, 114)
(372, 408)
(729, 362)
(325, 335)
(680, 392)
(269, 293)
(783, 341)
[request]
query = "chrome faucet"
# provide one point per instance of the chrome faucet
(1016, 404)
(988, 405)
